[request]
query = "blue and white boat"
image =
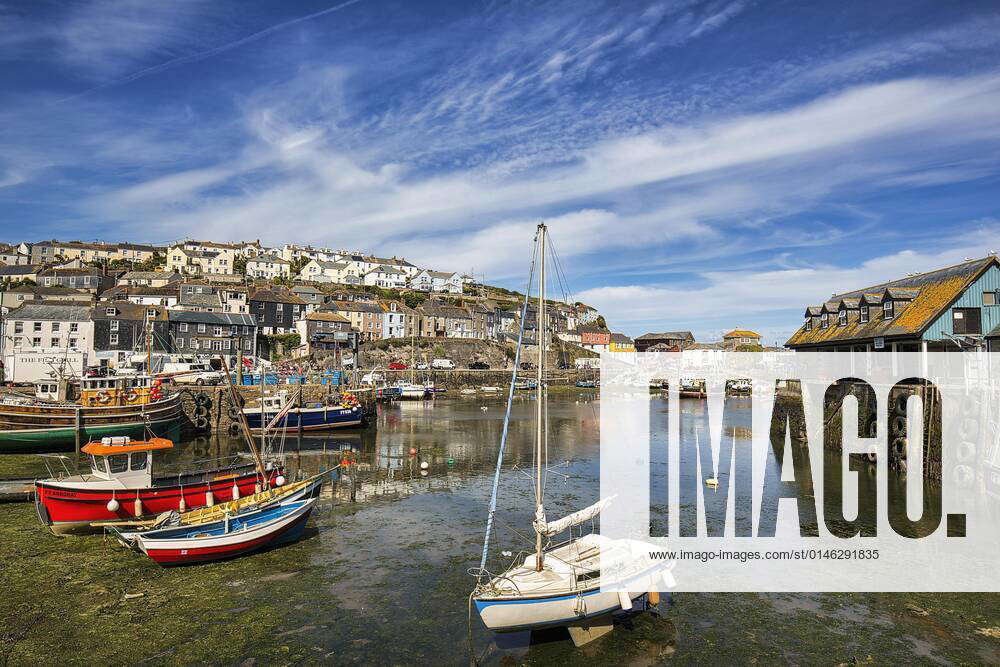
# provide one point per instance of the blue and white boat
(277, 415)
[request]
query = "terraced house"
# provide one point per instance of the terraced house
(950, 309)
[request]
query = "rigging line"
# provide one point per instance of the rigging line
(510, 402)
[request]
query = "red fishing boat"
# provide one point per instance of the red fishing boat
(121, 485)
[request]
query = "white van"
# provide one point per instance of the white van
(443, 364)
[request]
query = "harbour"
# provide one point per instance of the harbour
(381, 574)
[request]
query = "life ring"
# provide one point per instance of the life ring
(132, 396)
(102, 397)
(966, 451)
(898, 425)
(899, 447)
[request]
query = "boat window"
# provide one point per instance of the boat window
(588, 576)
(97, 464)
(118, 463)
(139, 460)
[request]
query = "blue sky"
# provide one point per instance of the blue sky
(702, 165)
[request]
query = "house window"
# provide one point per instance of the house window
(36, 326)
(966, 321)
(114, 339)
(218, 331)
(989, 298)
(824, 321)
(114, 325)
(201, 328)
(150, 312)
(54, 342)
(74, 327)
(842, 318)
(863, 315)
(183, 326)
(55, 327)
(110, 312)
(36, 342)
(18, 327)
(180, 343)
(72, 342)
(888, 310)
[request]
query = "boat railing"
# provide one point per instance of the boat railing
(57, 474)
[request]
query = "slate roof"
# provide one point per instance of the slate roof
(676, 335)
(51, 311)
(931, 293)
(211, 318)
(18, 270)
(276, 296)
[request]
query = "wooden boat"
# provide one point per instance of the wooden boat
(128, 405)
(235, 535)
(121, 486)
(278, 415)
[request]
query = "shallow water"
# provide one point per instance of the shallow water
(382, 573)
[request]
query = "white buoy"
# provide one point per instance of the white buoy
(138, 506)
(209, 498)
(279, 480)
(236, 492)
(182, 505)
(424, 465)
(484, 408)
(423, 473)
(712, 481)
(113, 505)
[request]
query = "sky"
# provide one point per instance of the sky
(701, 165)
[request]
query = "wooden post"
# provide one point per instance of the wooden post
(300, 415)
(78, 429)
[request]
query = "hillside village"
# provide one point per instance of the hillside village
(104, 303)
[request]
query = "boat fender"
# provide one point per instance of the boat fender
(209, 499)
(113, 505)
(236, 492)
(234, 428)
(625, 600)
(201, 423)
(138, 506)
(182, 506)
(424, 465)
(413, 451)
(900, 404)
(872, 453)
(899, 447)
(279, 480)
(898, 425)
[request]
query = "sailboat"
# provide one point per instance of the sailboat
(559, 584)
(412, 390)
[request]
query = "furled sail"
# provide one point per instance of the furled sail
(555, 527)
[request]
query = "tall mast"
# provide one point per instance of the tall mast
(539, 425)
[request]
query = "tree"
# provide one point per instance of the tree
(298, 264)
(600, 322)
(240, 265)
(414, 299)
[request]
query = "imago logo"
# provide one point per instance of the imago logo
(880, 465)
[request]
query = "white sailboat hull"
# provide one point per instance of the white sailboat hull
(527, 613)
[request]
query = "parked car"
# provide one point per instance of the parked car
(398, 366)
(479, 366)
(199, 378)
(443, 364)
(422, 366)
(527, 366)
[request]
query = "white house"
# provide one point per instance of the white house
(322, 271)
(58, 328)
(200, 262)
(386, 276)
(437, 281)
(268, 267)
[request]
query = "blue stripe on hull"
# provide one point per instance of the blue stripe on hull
(310, 418)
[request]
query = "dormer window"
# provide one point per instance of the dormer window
(824, 321)
(888, 310)
(842, 318)
(809, 324)
(863, 314)
(110, 312)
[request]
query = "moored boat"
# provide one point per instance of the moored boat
(129, 405)
(234, 535)
(121, 486)
(277, 415)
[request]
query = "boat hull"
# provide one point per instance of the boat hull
(42, 428)
(535, 613)
(72, 510)
(310, 419)
(231, 545)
